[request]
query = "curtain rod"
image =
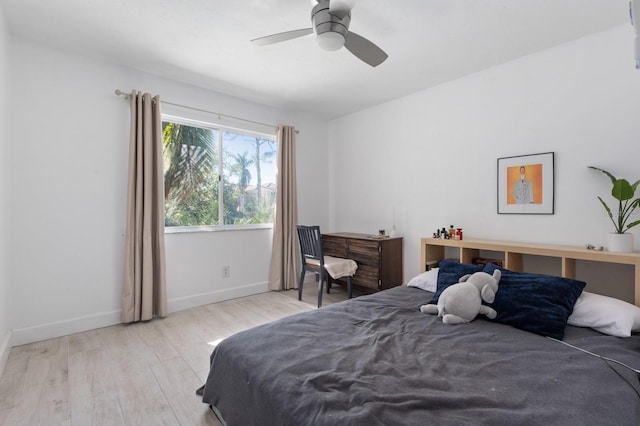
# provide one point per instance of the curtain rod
(119, 92)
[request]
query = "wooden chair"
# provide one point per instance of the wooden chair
(314, 261)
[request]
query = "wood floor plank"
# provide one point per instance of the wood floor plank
(121, 342)
(141, 400)
(93, 396)
(224, 325)
(138, 374)
(179, 383)
(14, 376)
(202, 375)
(130, 360)
(183, 335)
(85, 341)
(152, 336)
(45, 399)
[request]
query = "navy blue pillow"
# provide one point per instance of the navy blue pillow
(450, 272)
(536, 303)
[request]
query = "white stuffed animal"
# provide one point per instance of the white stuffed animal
(462, 302)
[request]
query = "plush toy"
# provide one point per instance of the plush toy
(462, 302)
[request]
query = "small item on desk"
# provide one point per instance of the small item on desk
(592, 247)
(459, 234)
(451, 232)
(443, 234)
(381, 235)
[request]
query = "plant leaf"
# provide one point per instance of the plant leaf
(622, 190)
(632, 224)
(606, 207)
(612, 177)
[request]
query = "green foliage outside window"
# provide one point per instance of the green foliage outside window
(193, 175)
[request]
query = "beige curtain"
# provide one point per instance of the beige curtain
(144, 289)
(284, 253)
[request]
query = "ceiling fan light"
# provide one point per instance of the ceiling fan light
(330, 40)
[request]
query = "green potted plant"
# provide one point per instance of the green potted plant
(625, 193)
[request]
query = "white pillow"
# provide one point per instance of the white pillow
(426, 281)
(605, 314)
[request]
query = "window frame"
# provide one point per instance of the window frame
(220, 129)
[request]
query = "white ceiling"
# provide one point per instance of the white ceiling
(206, 42)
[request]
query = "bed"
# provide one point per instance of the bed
(377, 360)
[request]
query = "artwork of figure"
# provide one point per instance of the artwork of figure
(525, 184)
(523, 188)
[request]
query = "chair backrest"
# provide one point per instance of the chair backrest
(310, 243)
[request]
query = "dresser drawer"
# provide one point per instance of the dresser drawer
(334, 246)
(379, 261)
(367, 276)
(363, 246)
(368, 259)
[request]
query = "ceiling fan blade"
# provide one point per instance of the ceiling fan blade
(341, 8)
(365, 50)
(279, 37)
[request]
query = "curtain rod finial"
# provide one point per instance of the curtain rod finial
(119, 92)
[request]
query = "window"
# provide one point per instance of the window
(217, 176)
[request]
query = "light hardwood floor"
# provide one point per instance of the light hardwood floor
(139, 374)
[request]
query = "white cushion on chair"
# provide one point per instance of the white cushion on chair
(337, 267)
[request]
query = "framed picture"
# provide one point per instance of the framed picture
(525, 184)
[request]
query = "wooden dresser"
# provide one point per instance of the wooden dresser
(379, 260)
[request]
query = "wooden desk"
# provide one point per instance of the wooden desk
(379, 260)
(432, 250)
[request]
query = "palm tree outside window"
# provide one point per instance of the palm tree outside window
(216, 176)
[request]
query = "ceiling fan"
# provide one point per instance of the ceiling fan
(330, 20)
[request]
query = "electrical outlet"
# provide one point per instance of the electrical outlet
(226, 271)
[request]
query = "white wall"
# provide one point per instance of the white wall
(432, 159)
(69, 167)
(5, 332)
(432, 155)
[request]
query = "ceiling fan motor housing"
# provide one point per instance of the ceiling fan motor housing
(330, 30)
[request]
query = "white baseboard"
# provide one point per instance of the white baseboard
(5, 348)
(22, 336)
(187, 302)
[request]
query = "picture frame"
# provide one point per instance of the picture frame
(526, 184)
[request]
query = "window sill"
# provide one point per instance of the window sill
(216, 228)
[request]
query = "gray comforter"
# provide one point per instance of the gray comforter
(377, 360)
